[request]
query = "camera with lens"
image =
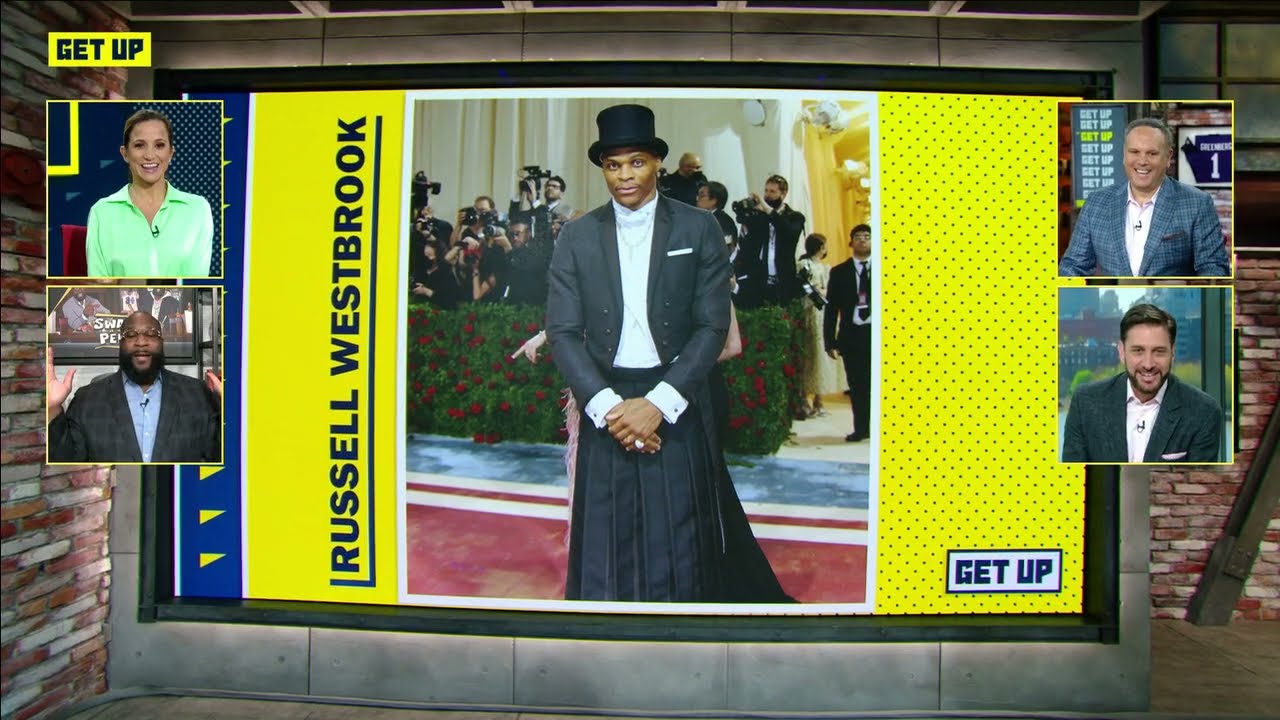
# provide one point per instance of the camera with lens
(534, 175)
(426, 228)
(810, 291)
(421, 188)
(666, 182)
(472, 216)
(745, 209)
(489, 218)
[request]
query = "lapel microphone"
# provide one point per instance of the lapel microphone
(145, 401)
(155, 231)
(1136, 228)
(1142, 425)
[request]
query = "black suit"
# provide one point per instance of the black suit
(727, 226)
(1188, 428)
(787, 226)
(667, 526)
(97, 427)
(684, 189)
(527, 275)
(853, 341)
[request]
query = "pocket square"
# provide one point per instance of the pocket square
(681, 251)
(1174, 236)
(1174, 456)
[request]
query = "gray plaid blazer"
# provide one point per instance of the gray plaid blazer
(97, 426)
(1187, 430)
(1185, 239)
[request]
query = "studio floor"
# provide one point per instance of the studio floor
(1197, 672)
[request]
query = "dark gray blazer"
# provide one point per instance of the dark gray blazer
(1187, 430)
(98, 428)
(1185, 239)
(688, 297)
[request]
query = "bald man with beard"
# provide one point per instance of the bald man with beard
(141, 413)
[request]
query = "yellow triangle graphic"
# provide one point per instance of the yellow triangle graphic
(225, 119)
(208, 470)
(207, 559)
(207, 515)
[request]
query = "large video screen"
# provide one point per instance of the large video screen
(817, 375)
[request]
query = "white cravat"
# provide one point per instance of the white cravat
(1137, 227)
(1140, 420)
(636, 348)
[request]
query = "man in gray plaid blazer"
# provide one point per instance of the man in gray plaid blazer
(140, 414)
(1150, 226)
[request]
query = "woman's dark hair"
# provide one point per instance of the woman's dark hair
(813, 244)
(718, 192)
(143, 116)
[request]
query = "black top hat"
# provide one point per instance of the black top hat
(626, 126)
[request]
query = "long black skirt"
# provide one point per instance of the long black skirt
(666, 527)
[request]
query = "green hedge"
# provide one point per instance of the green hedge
(463, 382)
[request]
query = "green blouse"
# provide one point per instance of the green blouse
(121, 243)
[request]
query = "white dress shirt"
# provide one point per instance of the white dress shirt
(636, 348)
(771, 261)
(1140, 420)
(1137, 227)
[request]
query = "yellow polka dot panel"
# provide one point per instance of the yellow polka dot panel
(968, 424)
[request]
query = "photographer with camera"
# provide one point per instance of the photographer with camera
(432, 279)
(683, 184)
(421, 189)
(481, 221)
(526, 277)
(712, 197)
(538, 212)
(819, 370)
(771, 234)
(479, 249)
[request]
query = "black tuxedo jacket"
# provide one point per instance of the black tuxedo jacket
(98, 428)
(842, 301)
(1188, 428)
(688, 297)
(788, 225)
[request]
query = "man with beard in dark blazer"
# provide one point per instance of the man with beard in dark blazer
(140, 414)
(1144, 414)
(637, 314)
(772, 235)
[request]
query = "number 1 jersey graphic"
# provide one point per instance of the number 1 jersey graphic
(1210, 157)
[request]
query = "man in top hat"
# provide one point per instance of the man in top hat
(637, 313)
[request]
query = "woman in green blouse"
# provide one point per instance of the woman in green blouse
(149, 228)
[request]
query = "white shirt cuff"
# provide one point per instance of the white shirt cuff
(668, 400)
(600, 405)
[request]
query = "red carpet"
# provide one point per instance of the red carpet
(507, 540)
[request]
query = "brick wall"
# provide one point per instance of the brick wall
(54, 570)
(1189, 508)
(1199, 115)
